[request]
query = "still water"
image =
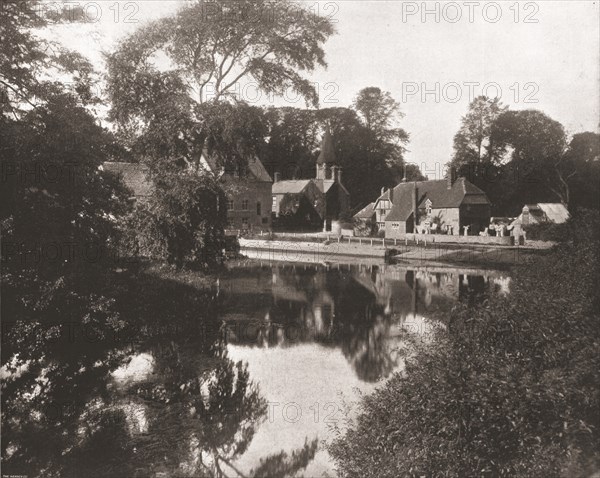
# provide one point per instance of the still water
(290, 349)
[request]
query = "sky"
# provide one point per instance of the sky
(433, 57)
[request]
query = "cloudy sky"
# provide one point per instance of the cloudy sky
(433, 57)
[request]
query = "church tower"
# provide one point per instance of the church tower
(327, 155)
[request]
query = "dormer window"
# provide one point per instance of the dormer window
(428, 207)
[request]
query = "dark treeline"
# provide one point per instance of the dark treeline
(523, 157)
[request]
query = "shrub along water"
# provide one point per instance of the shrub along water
(512, 388)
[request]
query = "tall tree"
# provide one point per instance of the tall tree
(211, 45)
(478, 156)
(583, 158)
(380, 114)
(537, 145)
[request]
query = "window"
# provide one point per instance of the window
(395, 225)
(274, 202)
(428, 207)
(381, 225)
(258, 209)
(245, 205)
(230, 204)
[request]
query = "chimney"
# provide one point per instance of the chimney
(277, 177)
(525, 216)
(415, 205)
(382, 191)
(339, 175)
(451, 176)
(321, 171)
(392, 195)
(334, 173)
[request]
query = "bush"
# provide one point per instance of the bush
(511, 389)
(547, 231)
(183, 222)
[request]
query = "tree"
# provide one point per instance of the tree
(26, 59)
(537, 146)
(477, 156)
(212, 45)
(380, 114)
(583, 157)
(181, 223)
(473, 147)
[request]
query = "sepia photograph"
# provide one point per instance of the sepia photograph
(299, 238)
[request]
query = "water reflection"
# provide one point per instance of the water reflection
(175, 394)
(360, 309)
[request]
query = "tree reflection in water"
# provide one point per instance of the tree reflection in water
(363, 310)
(70, 407)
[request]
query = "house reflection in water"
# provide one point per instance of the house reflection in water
(365, 310)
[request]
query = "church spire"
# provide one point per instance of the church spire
(327, 154)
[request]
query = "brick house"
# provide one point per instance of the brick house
(312, 203)
(248, 192)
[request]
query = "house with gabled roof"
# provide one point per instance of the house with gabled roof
(447, 206)
(313, 202)
(248, 189)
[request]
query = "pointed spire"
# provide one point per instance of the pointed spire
(327, 154)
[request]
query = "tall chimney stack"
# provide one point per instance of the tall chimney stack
(451, 176)
(339, 174)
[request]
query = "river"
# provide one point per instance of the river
(291, 350)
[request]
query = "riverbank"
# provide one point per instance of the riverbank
(511, 388)
(370, 249)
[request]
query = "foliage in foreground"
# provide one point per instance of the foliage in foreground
(512, 389)
(181, 223)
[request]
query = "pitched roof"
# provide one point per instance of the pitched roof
(256, 168)
(461, 192)
(555, 212)
(366, 212)
(291, 186)
(327, 154)
(545, 212)
(134, 175)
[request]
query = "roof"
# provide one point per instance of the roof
(555, 212)
(134, 175)
(327, 154)
(545, 212)
(461, 192)
(366, 212)
(291, 186)
(256, 168)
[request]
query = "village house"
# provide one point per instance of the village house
(248, 191)
(451, 206)
(312, 203)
